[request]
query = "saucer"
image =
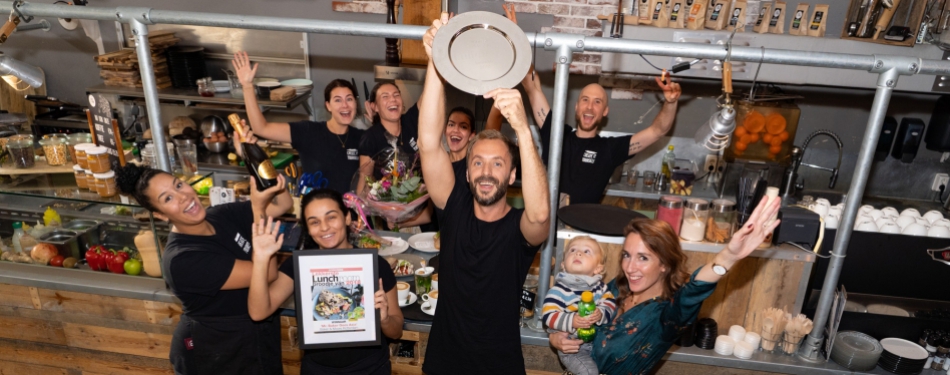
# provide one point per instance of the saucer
(412, 299)
(427, 309)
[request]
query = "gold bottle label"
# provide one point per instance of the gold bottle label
(266, 170)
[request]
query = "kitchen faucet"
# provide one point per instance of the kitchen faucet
(790, 182)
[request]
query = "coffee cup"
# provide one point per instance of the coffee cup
(938, 232)
(905, 220)
(915, 230)
(910, 212)
(402, 290)
(820, 208)
(889, 227)
(890, 211)
(831, 221)
(865, 226)
(432, 298)
(932, 216)
(435, 281)
(424, 280)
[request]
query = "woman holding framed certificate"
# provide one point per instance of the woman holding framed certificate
(326, 221)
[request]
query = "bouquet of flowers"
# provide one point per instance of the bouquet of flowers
(400, 193)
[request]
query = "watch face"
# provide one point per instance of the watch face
(719, 270)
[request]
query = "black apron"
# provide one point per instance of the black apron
(224, 345)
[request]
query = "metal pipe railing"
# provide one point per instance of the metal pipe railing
(888, 67)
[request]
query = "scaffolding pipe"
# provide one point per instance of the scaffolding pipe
(144, 52)
(888, 67)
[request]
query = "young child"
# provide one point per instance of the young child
(583, 269)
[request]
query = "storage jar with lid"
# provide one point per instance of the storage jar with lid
(105, 184)
(80, 152)
(21, 151)
(98, 158)
(80, 174)
(670, 210)
(694, 219)
(73, 140)
(90, 181)
(722, 221)
(55, 150)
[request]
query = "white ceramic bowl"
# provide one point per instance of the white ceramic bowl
(865, 226)
(889, 227)
(876, 214)
(890, 211)
(906, 220)
(915, 230)
(910, 211)
(938, 232)
(923, 222)
(942, 223)
(933, 215)
(865, 209)
(831, 221)
(835, 210)
(883, 220)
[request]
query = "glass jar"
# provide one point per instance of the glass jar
(80, 177)
(670, 210)
(55, 150)
(98, 158)
(21, 151)
(73, 140)
(694, 220)
(105, 184)
(722, 221)
(90, 180)
(205, 87)
(80, 152)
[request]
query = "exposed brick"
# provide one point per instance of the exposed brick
(546, 29)
(541, 1)
(345, 6)
(589, 11)
(554, 9)
(578, 68)
(603, 2)
(571, 30)
(626, 94)
(525, 7)
(569, 22)
(593, 23)
(374, 7)
(589, 57)
(571, 1)
(592, 69)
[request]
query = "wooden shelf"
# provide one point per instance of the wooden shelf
(39, 168)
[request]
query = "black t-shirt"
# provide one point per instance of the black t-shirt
(344, 357)
(375, 139)
(335, 157)
(482, 268)
(586, 163)
(460, 168)
(196, 267)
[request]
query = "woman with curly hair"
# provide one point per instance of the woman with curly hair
(656, 296)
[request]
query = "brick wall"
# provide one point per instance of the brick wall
(570, 16)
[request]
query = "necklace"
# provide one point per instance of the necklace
(398, 137)
(342, 140)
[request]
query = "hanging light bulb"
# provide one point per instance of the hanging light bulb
(715, 134)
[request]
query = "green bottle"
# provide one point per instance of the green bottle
(669, 161)
(584, 308)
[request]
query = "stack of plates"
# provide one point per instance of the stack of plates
(743, 350)
(856, 351)
(902, 357)
(187, 66)
(725, 345)
(300, 85)
(706, 333)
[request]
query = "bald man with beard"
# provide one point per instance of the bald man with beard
(588, 159)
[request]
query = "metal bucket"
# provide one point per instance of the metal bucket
(65, 241)
(88, 231)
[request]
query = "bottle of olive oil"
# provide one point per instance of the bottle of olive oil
(669, 160)
(255, 159)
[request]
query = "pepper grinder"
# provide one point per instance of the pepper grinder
(392, 44)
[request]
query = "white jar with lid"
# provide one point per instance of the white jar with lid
(694, 220)
(80, 174)
(98, 159)
(105, 184)
(80, 151)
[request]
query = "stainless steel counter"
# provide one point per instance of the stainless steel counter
(624, 190)
(85, 281)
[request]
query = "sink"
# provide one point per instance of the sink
(833, 197)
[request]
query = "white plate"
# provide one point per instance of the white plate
(904, 348)
(414, 259)
(412, 299)
(425, 308)
(399, 246)
(424, 242)
(297, 82)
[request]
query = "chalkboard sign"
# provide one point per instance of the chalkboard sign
(105, 129)
(527, 299)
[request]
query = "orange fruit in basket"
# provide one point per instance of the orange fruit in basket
(741, 146)
(775, 123)
(783, 135)
(775, 149)
(776, 141)
(754, 122)
(754, 138)
(767, 138)
(740, 131)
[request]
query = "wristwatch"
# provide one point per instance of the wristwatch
(719, 269)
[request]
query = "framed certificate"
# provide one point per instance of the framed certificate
(334, 296)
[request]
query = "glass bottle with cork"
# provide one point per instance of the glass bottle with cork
(255, 159)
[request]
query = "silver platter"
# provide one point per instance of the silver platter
(481, 51)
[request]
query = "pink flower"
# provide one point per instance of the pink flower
(387, 184)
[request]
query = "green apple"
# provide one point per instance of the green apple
(133, 266)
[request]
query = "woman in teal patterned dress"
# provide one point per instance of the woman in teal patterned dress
(656, 296)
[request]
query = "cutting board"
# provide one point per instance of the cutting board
(417, 12)
(282, 159)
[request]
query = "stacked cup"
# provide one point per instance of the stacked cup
(706, 332)
(737, 333)
(743, 350)
(724, 345)
(753, 339)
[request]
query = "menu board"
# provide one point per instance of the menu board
(105, 129)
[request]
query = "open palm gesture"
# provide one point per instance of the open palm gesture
(756, 228)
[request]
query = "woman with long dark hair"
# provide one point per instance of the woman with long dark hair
(657, 298)
(327, 223)
(207, 264)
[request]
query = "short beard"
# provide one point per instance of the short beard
(501, 189)
(580, 126)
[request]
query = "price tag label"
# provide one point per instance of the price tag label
(527, 299)
(104, 128)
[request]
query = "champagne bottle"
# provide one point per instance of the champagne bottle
(255, 159)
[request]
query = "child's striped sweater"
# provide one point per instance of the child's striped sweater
(560, 304)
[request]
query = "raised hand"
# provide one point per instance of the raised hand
(249, 137)
(509, 102)
(754, 231)
(671, 90)
(261, 199)
(242, 67)
(265, 239)
(430, 34)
